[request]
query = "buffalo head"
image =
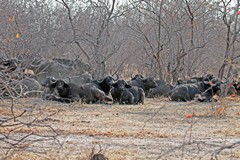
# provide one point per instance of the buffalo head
(137, 76)
(213, 83)
(121, 85)
(49, 81)
(149, 82)
(11, 63)
(108, 80)
(60, 85)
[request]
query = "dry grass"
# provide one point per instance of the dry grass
(159, 129)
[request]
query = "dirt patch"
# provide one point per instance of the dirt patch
(159, 129)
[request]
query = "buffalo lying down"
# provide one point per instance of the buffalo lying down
(69, 92)
(187, 92)
(124, 93)
(104, 84)
(162, 89)
(145, 83)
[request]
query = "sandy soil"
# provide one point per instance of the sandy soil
(159, 129)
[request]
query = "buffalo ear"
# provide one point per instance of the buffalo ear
(66, 85)
(128, 86)
(100, 80)
(53, 85)
(114, 85)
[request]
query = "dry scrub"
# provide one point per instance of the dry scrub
(159, 129)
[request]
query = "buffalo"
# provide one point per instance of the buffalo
(208, 87)
(194, 79)
(160, 90)
(58, 68)
(137, 76)
(98, 156)
(49, 93)
(124, 93)
(59, 90)
(11, 63)
(31, 87)
(70, 92)
(237, 87)
(27, 87)
(80, 79)
(94, 91)
(104, 84)
(231, 90)
(228, 89)
(144, 83)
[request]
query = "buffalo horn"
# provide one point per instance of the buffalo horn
(53, 80)
(117, 77)
(69, 80)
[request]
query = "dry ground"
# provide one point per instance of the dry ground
(159, 129)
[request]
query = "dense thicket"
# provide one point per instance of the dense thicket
(167, 39)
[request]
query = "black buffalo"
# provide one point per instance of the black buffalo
(95, 91)
(50, 93)
(104, 84)
(237, 87)
(194, 79)
(145, 83)
(80, 79)
(70, 92)
(228, 89)
(11, 63)
(124, 93)
(160, 90)
(137, 76)
(208, 87)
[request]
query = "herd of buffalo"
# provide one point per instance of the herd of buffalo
(82, 87)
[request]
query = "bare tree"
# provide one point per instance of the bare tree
(166, 39)
(231, 21)
(172, 34)
(95, 39)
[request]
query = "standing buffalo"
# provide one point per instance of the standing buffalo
(144, 83)
(124, 93)
(208, 87)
